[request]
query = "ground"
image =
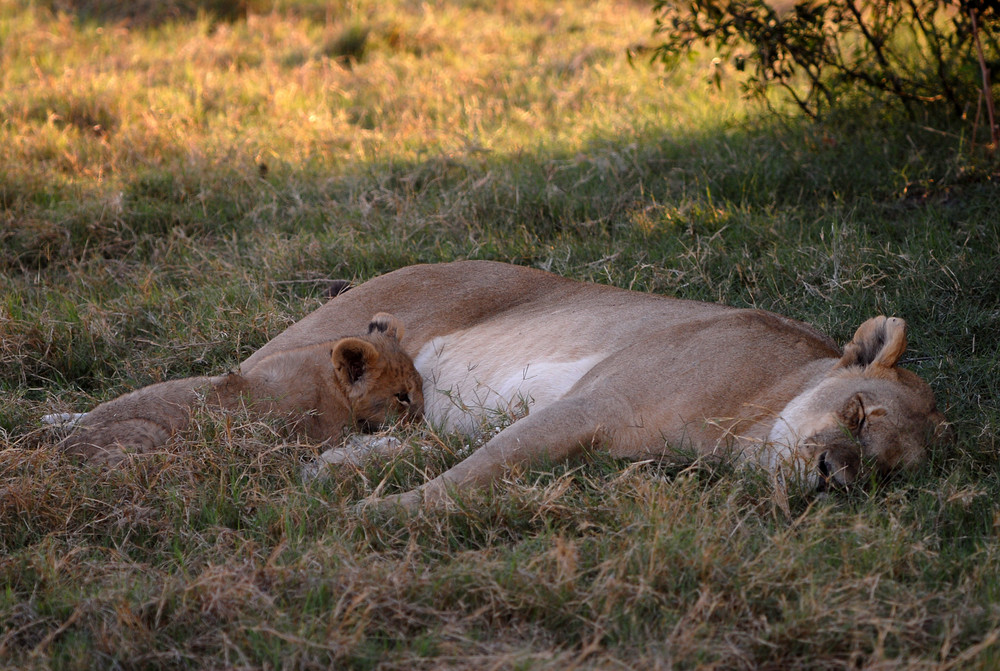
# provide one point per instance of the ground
(174, 193)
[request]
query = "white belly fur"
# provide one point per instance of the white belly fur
(467, 385)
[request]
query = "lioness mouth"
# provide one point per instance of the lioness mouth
(826, 476)
(824, 468)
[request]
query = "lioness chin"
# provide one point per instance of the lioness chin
(638, 375)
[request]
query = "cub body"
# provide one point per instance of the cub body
(321, 389)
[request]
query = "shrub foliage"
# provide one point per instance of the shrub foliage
(913, 52)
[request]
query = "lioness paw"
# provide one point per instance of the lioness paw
(63, 419)
(356, 451)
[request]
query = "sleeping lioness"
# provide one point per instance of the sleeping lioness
(321, 388)
(637, 375)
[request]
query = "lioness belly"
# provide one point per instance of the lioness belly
(467, 384)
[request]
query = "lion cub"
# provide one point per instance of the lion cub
(354, 382)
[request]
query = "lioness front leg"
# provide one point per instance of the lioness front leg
(554, 434)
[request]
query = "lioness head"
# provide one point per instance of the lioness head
(868, 416)
(377, 376)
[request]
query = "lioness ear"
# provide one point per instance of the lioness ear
(880, 341)
(352, 357)
(852, 414)
(385, 323)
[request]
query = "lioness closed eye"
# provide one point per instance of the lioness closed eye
(321, 388)
(637, 375)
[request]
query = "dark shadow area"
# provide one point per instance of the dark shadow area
(825, 223)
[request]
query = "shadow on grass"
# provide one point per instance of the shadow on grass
(825, 224)
(656, 180)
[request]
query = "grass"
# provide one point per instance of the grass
(175, 193)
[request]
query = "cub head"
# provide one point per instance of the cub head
(868, 415)
(377, 376)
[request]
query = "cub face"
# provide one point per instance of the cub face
(377, 376)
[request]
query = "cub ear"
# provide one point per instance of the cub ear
(880, 341)
(352, 358)
(383, 322)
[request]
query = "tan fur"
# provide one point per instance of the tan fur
(321, 389)
(638, 375)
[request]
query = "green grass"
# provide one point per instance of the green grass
(173, 194)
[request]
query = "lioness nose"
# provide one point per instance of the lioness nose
(823, 466)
